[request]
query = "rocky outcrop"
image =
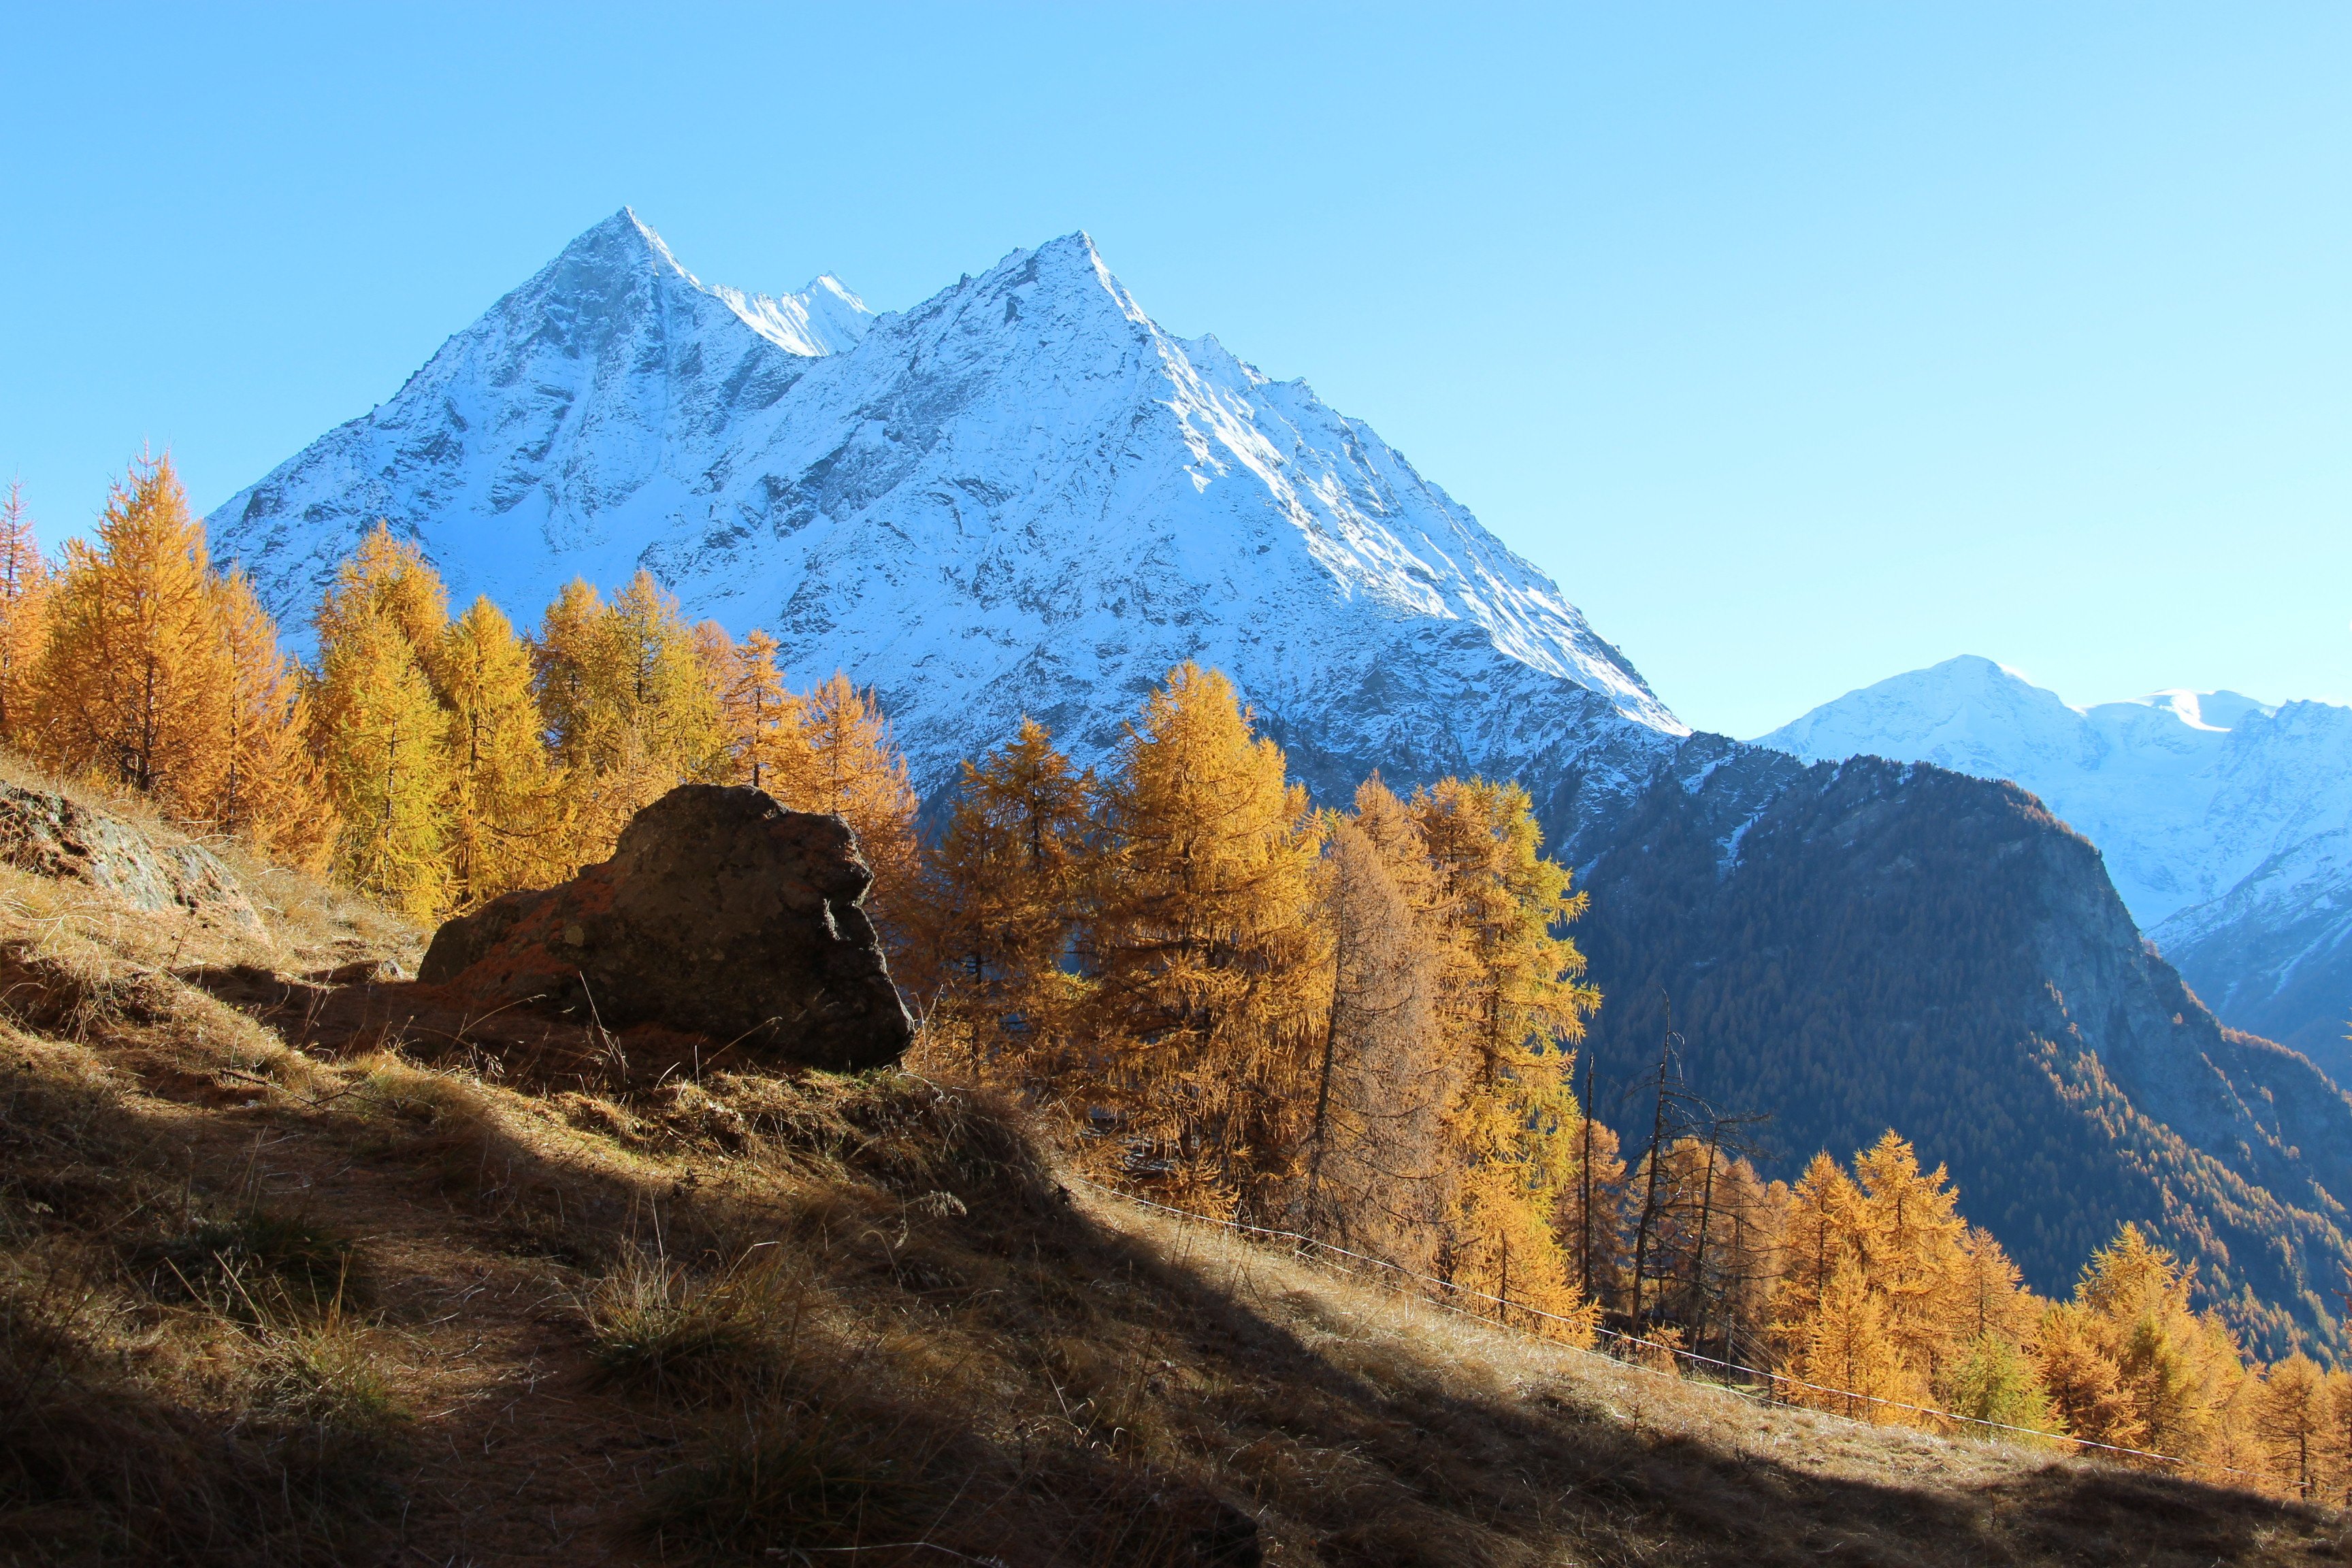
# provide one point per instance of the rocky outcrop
(52, 835)
(720, 913)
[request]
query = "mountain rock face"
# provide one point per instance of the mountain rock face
(1867, 944)
(2226, 823)
(46, 834)
(1024, 496)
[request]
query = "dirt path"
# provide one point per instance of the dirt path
(511, 1456)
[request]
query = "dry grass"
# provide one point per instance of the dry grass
(290, 1271)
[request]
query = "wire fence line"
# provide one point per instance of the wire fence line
(1307, 1244)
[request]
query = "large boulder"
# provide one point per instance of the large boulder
(720, 913)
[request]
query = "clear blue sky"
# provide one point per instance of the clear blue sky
(1804, 344)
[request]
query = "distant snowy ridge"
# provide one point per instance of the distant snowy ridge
(2226, 823)
(1020, 496)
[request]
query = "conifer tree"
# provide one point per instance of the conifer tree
(663, 696)
(1850, 1357)
(1003, 900)
(2129, 1361)
(503, 822)
(1823, 1232)
(2073, 1366)
(1589, 1218)
(855, 772)
(624, 691)
(379, 730)
(269, 789)
(764, 722)
(2292, 1420)
(1988, 1297)
(1820, 1235)
(1206, 947)
(1997, 1382)
(23, 616)
(1517, 1008)
(1378, 1175)
(2337, 1466)
(2169, 1373)
(387, 578)
(565, 660)
(132, 683)
(1912, 1256)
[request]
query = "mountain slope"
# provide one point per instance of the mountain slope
(739, 1318)
(1023, 496)
(2226, 824)
(1869, 943)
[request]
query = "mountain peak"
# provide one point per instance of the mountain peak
(1018, 496)
(623, 241)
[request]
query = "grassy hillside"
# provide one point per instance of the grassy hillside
(297, 1266)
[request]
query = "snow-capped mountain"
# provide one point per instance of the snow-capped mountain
(1022, 495)
(2226, 823)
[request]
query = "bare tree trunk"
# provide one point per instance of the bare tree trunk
(1650, 1190)
(1698, 1254)
(1584, 1210)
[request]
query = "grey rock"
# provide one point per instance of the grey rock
(52, 835)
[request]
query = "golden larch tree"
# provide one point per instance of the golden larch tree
(24, 615)
(1851, 1363)
(1515, 1009)
(625, 694)
(2129, 1361)
(502, 816)
(379, 730)
(1003, 897)
(132, 684)
(2292, 1421)
(1821, 1234)
(387, 578)
(1379, 1176)
(564, 656)
(1207, 951)
(1912, 1234)
(1988, 1296)
(2337, 1446)
(855, 772)
(269, 789)
(765, 724)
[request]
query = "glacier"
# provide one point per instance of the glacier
(2225, 822)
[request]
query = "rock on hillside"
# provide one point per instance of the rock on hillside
(720, 913)
(1023, 495)
(51, 835)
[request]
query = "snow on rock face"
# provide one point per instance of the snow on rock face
(1021, 495)
(2226, 823)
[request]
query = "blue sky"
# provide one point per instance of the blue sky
(1804, 344)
